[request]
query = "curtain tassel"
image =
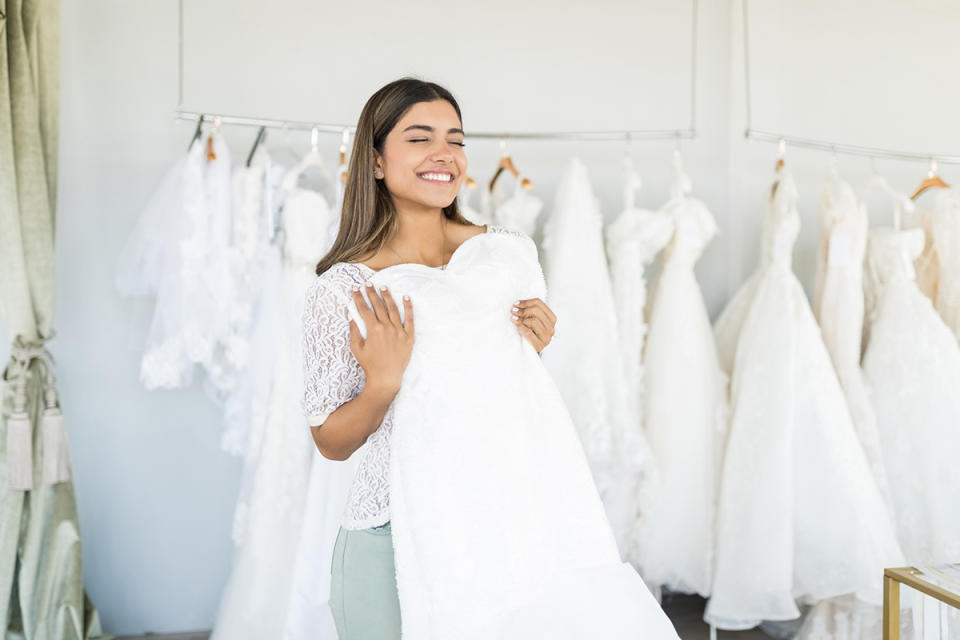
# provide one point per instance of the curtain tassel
(56, 452)
(19, 455)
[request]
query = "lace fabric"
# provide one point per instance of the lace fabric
(332, 377)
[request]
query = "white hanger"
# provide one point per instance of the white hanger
(632, 182)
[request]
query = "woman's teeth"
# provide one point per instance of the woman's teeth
(437, 177)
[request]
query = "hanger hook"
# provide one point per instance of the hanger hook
(503, 146)
(782, 148)
(314, 138)
(344, 139)
(933, 167)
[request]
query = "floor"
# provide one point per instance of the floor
(685, 611)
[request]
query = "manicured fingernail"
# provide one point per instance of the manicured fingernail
(516, 302)
(515, 310)
(369, 284)
(356, 288)
(383, 287)
(514, 318)
(406, 297)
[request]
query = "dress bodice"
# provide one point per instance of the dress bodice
(693, 229)
(520, 210)
(782, 222)
(892, 253)
(307, 217)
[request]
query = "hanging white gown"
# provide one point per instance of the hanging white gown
(839, 308)
(520, 210)
(633, 241)
(685, 409)
(309, 616)
(799, 516)
(498, 530)
(584, 356)
(178, 251)
(946, 239)
(912, 363)
(468, 212)
(255, 600)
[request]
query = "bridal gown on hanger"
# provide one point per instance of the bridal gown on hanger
(912, 363)
(504, 539)
(467, 211)
(585, 355)
(633, 241)
(309, 616)
(177, 251)
(255, 600)
(685, 407)
(946, 239)
(839, 308)
(520, 210)
(799, 516)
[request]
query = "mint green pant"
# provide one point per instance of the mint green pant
(363, 587)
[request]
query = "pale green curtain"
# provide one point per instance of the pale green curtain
(41, 576)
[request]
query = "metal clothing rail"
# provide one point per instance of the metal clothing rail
(849, 149)
(623, 135)
(300, 125)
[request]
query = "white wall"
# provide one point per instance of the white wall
(155, 492)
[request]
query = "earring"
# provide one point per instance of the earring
(378, 174)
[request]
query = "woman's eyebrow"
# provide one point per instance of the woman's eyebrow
(425, 127)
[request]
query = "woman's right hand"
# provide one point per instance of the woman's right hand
(385, 352)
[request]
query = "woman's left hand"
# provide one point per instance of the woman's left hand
(535, 321)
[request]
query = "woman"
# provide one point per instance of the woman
(418, 490)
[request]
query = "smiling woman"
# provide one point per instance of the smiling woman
(507, 554)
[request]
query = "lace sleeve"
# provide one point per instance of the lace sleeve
(331, 373)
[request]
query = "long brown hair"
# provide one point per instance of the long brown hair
(369, 217)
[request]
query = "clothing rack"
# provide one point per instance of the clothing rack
(689, 132)
(765, 136)
(270, 123)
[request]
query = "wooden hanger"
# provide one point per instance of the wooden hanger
(344, 141)
(471, 183)
(261, 134)
(506, 162)
(211, 154)
(778, 166)
(932, 181)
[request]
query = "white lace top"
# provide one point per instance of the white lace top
(332, 376)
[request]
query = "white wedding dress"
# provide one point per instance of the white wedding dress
(498, 530)
(633, 241)
(178, 252)
(309, 616)
(585, 354)
(946, 239)
(268, 520)
(799, 516)
(912, 363)
(685, 407)
(839, 308)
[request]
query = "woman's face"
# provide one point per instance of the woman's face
(423, 162)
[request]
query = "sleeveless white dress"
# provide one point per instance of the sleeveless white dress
(270, 514)
(912, 363)
(585, 357)
(633, 240)
(799, 516)
(685, 410)
(498, 530)
(946, 239)
(839, 308)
